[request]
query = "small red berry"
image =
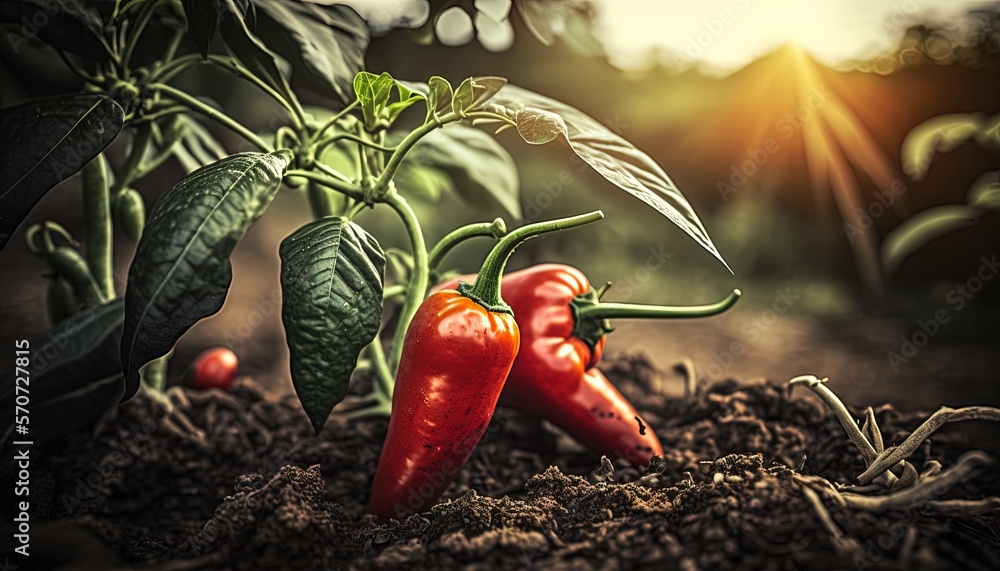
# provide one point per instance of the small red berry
(214, 368)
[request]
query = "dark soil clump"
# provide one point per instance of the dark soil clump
(239, 481)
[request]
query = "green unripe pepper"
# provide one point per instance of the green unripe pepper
(130, 213)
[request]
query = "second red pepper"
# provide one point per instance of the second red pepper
(563, 332)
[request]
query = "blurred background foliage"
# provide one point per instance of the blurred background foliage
(775, 230)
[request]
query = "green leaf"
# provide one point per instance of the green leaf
(373, 93)
(74, 374)
(409, 93)
(331, 284)
(920, 229)
(540, 119)
(936, 135)
(425, 183)
(325, 44)
(181, 271)
(475, 91)
(69, 25)
(44, 143)
(482, 171)
(251, 52)
(440, 96)
(203, 22)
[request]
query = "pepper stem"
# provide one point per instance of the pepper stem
(486, 290)
(629, 310)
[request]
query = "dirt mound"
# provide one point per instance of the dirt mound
(238, 480)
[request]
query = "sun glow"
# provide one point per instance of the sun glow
(724, 35)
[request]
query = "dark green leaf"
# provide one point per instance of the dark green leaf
(540, 119)
(441, 94)
(482, 171)
(44, 142)
(373, 93)
(181, 271)
(203, 22)
(918, 230)
(325, 44)
(247, 48)
(74, 374)
(331, 284)
(475, 91)
(69, 25)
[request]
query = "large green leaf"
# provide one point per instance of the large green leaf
(482, 171)
(248, 48)
(69, 25)
(331, 283)
(203, 22)
(44, 142)
(74, 374)
(325, 44)
(540, 120)
(181, 271)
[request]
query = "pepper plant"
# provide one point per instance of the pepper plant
(347, 155)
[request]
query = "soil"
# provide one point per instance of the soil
(238, 480)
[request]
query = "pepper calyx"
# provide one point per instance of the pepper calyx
(468, 291)
(587, 329)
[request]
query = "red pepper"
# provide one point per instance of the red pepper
(457, 353)
(563, 331)
(213, 368)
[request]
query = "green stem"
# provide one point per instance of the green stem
(417, 285)
(336, 184)
(496, 229)
(383, 377)
(169, 70)
(141, 23)
(486, 290)
(293, 107)
(213, 113)
(97, 222)
(396, 159)
(352, 137)
(333, 120)
(133, 163)
(598, 311)
(393, 291)
(321, 201)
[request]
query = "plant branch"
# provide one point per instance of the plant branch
(894, 455)
(417, 286)
(497, 229)
(293, 107)
(340, 186)
(213, 113)
(97, 221)
(925, 491)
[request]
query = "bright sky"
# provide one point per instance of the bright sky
(720, 35)
(725, 35)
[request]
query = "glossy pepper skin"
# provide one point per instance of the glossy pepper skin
(456, 356)
(554, 376)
